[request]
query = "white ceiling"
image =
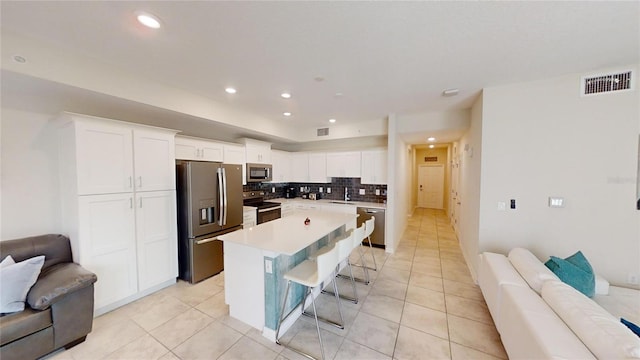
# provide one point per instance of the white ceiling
(383, 57)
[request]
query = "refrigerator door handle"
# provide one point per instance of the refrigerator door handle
(220, 196)
(207, 240)
(225, 203)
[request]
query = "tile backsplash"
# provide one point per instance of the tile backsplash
(337, 186)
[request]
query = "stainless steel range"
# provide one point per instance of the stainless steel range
(266, 211)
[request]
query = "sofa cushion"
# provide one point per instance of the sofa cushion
(8, 260)
(58, 281)
(494, 271)
(15, 282)
(575, 271)
(55, 247)
(603, 334)
(17, 325)
(531, 330)
(530, 268)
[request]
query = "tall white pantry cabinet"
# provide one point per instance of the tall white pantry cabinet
(119, 205)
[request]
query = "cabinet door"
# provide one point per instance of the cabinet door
(104, 155)
(300, 167)
(211, 151)
(235, 154)
(157, 241)
(106, 238)
(258, 153)
(374, 167)
(335, 165)
(155, 167)
(186, 149)
(318, 168)
(281, 166)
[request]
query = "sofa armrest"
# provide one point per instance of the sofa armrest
(58, 281)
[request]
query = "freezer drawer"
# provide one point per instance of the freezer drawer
(377, 237)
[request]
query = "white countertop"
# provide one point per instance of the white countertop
(289, 235)
(332, 202)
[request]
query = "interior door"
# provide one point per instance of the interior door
(431, 186)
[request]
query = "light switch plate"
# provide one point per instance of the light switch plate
(268, 266)
(502, 206)
(362, 192)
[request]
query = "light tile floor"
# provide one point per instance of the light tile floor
(421, 304)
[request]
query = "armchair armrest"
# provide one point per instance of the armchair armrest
(58, 281)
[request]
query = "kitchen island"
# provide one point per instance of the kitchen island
(256, 259)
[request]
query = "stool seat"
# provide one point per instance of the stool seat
(305, 273)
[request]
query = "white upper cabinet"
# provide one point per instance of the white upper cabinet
(343, 164)
(112, 157)
(374, 167)
(258, 152)
(196, 149)
(104, 155)
(300, 167)
(281, 161)
(318, 168)
(234, 154)
(154, 160)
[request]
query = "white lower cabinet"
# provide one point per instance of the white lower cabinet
(155, 234)
(106, 225)
(128, 241)
(286, 210)
(249, 217)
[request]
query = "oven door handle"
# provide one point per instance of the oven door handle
(269, 209)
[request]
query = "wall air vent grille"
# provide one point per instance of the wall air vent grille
(606, 83)
(323, 132)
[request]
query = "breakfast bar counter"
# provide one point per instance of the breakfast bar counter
(256, 259)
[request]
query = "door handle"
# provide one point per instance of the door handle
(220, 196)
(207, 240)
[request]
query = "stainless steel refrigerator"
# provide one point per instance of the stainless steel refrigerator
(209, 204)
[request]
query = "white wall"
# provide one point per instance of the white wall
(542, 139)
(29, 186)
(399, 166)
(470, 150)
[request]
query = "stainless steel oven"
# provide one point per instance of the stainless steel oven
(266, 210)
(269, 213)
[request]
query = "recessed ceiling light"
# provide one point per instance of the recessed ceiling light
(431, 146)
(431, 139)
(148, 20)
(286, 114)
(450, 92)
(332, 120)
(230, 90)
(338, 94)
(285, 95)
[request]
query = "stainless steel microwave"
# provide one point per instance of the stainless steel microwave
(259, 172)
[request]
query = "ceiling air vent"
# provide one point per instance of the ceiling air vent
(323, 132)
(606, 83)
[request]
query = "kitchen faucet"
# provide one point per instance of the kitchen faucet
(346, 194)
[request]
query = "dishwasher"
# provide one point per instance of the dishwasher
(377, 237)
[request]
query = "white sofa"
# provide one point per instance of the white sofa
(540, 317)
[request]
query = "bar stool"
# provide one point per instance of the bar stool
(358, 237)
(369, 225)
(311, 274)
(345, 247)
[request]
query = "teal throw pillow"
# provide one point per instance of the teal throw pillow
(575, 271)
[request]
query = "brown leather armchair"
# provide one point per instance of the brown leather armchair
(59, 308)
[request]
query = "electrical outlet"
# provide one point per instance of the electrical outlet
(320, 189)
(268, 266)
(301, 189)
(328, 190)
(273, 189)
(362, 192)
(378, 192)
(632, 278)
